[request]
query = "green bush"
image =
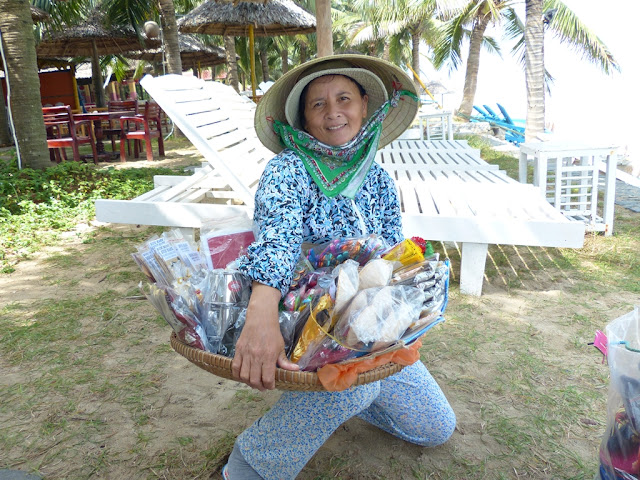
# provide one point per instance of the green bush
(36, 205)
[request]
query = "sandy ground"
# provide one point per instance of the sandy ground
(189, 403)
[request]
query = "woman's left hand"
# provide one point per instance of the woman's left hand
(261, 346)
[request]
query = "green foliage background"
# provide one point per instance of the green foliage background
(37, 205)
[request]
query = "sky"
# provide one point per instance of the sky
(585, 104)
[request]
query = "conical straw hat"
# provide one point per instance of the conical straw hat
(378, 77)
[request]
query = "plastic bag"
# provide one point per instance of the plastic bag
(313, 285)
(620, 446)
(224, 239)
(318, 322)
(236, 319)
(178, 316)
(379, 316)
(338, 250)
(406, 252)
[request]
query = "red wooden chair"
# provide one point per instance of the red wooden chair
(63, 132)
(113, 130)
(151, 128)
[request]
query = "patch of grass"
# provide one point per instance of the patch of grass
(529, 392)
(506, 161)
(248, 396)
(37, 205)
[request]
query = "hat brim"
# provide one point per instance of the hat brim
(381, 77)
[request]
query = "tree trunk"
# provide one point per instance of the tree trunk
(324, 36)
(26, 105)
(284, 55)
(96, 76)
(415, 50)
(386, 55)
(5, 133)
(303, 54)
(534, 69)
(473, 65)
(265, 65)
(170, 37)
(232, 64)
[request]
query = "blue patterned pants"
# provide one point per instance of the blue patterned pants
(409, 405)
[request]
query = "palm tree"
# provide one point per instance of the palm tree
(534, 69)
(264, 45)
(5, 134)
(477, 15)
(473, 20)
(571, 31)
(19, 47)
(416, 18)
(232, 63)
(170, 36)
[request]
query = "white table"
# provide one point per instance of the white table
(436, 125)
(567, 174)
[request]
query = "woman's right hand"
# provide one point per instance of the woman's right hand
(260, 347)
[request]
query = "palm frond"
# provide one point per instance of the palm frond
(447, 50)
(62, 13)
(131, 12)
(491, 45)
(513, 25)
(568, 29)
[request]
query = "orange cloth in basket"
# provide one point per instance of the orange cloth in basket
(335, 377)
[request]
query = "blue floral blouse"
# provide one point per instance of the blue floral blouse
(290, 209)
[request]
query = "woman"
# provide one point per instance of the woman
(325, 121)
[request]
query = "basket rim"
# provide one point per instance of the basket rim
(285, 379)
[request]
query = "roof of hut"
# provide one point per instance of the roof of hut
(275, 17)
(77, 40)
(192, 52)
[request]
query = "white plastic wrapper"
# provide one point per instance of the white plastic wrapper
(380, 314)
(347, 284)
(376, 273)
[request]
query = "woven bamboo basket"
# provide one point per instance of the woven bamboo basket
(285, 379)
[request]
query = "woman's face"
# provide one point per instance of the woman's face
(334, 109)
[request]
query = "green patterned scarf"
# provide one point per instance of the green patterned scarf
(340, 169)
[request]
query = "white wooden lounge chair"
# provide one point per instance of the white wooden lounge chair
(447, 192)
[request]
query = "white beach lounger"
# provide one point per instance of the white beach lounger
(447, 192)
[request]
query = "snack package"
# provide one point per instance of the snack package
(287, 321)
(335, 252)
(224, 239)
(187, 328)
(379, 316)
(303, 269)
(347, 284)
(376, 273)
(152, 269)
(324, 351)
(185, 249)
(313, 284)
(229, 287)
(406, 252)
(236, 319)
(315, 327)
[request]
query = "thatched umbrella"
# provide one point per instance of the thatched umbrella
(248, 18)
(92, 38)
(192, 53)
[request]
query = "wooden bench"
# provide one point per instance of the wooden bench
(447, 192)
